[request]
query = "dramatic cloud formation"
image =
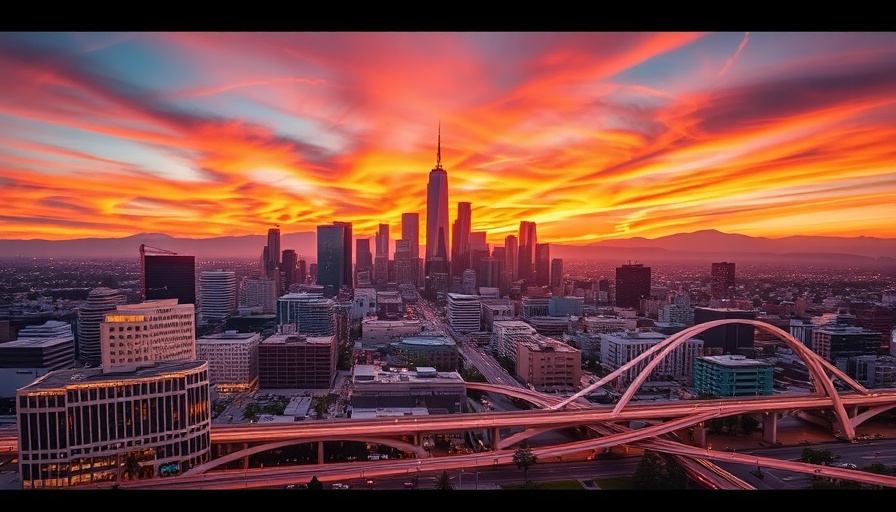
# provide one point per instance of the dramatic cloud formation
(591, 135)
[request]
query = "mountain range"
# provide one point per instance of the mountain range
(698, 246)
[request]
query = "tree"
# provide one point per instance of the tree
(822, 457)
(656, 471)
(443, 482)
(314, 483)
(523, 458)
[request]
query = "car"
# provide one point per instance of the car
(409, 485)
(339, 485)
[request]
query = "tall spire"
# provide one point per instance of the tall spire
(439, 148)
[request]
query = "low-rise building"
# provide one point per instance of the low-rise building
(733, 375)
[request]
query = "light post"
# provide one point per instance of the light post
(460, 480)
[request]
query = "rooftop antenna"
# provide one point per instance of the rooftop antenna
(439, 148)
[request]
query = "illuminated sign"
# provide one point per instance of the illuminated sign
(125, 318)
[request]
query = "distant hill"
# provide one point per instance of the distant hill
(699, 246)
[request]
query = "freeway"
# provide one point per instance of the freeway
(670, 417)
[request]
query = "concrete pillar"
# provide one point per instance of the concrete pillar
(770, 427)
(494, 437)
(700, 435)
(320, 453)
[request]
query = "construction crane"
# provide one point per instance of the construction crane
(152, 251)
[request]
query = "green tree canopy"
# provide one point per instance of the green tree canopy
(524, 458)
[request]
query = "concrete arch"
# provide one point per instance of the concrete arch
(419, 451)
(858, 419)
(819, 369)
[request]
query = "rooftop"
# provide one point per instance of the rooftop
(60, 379)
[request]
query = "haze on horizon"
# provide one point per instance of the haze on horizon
(592, 136)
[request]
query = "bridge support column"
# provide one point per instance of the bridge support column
(494, 435)
(700, 435)
(320, 452)
(770, 427)
(244, 462)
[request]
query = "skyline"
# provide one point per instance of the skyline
(591, 136)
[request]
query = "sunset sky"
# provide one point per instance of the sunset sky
(592, 136)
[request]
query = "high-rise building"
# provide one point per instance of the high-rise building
(437, 217)
(310, 313)
(460, 239)
(489, 273)
(272, 264)
(363, 258)
(556, 271)
(99, 302)
(632, 285)
(381, 258)
(331, 258)
(169, 276)
(464, 312)
(526, 260)
(301, 271)
(542, 264)
(406, 266)
(217, 295)
(725, 339)
(410, 230)
(722, 280)
(258, 292)
(512, 250)
(155, 330)
(347, 258)
(288, 265)
(382, 241)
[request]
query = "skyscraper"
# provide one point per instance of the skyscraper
(542, 264)
(526, 260)
(381, 258)
(437, 217)
(382, 241)
(217, 295)
(301, 271)
(363, 257)
(169, 276)
(460, 240)
(632, 285)
(288, 263)
(272, 264)
(410, 230)
(512, 255)
(331, 258)
(722, 280)
(347, 258)
(556, 271)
